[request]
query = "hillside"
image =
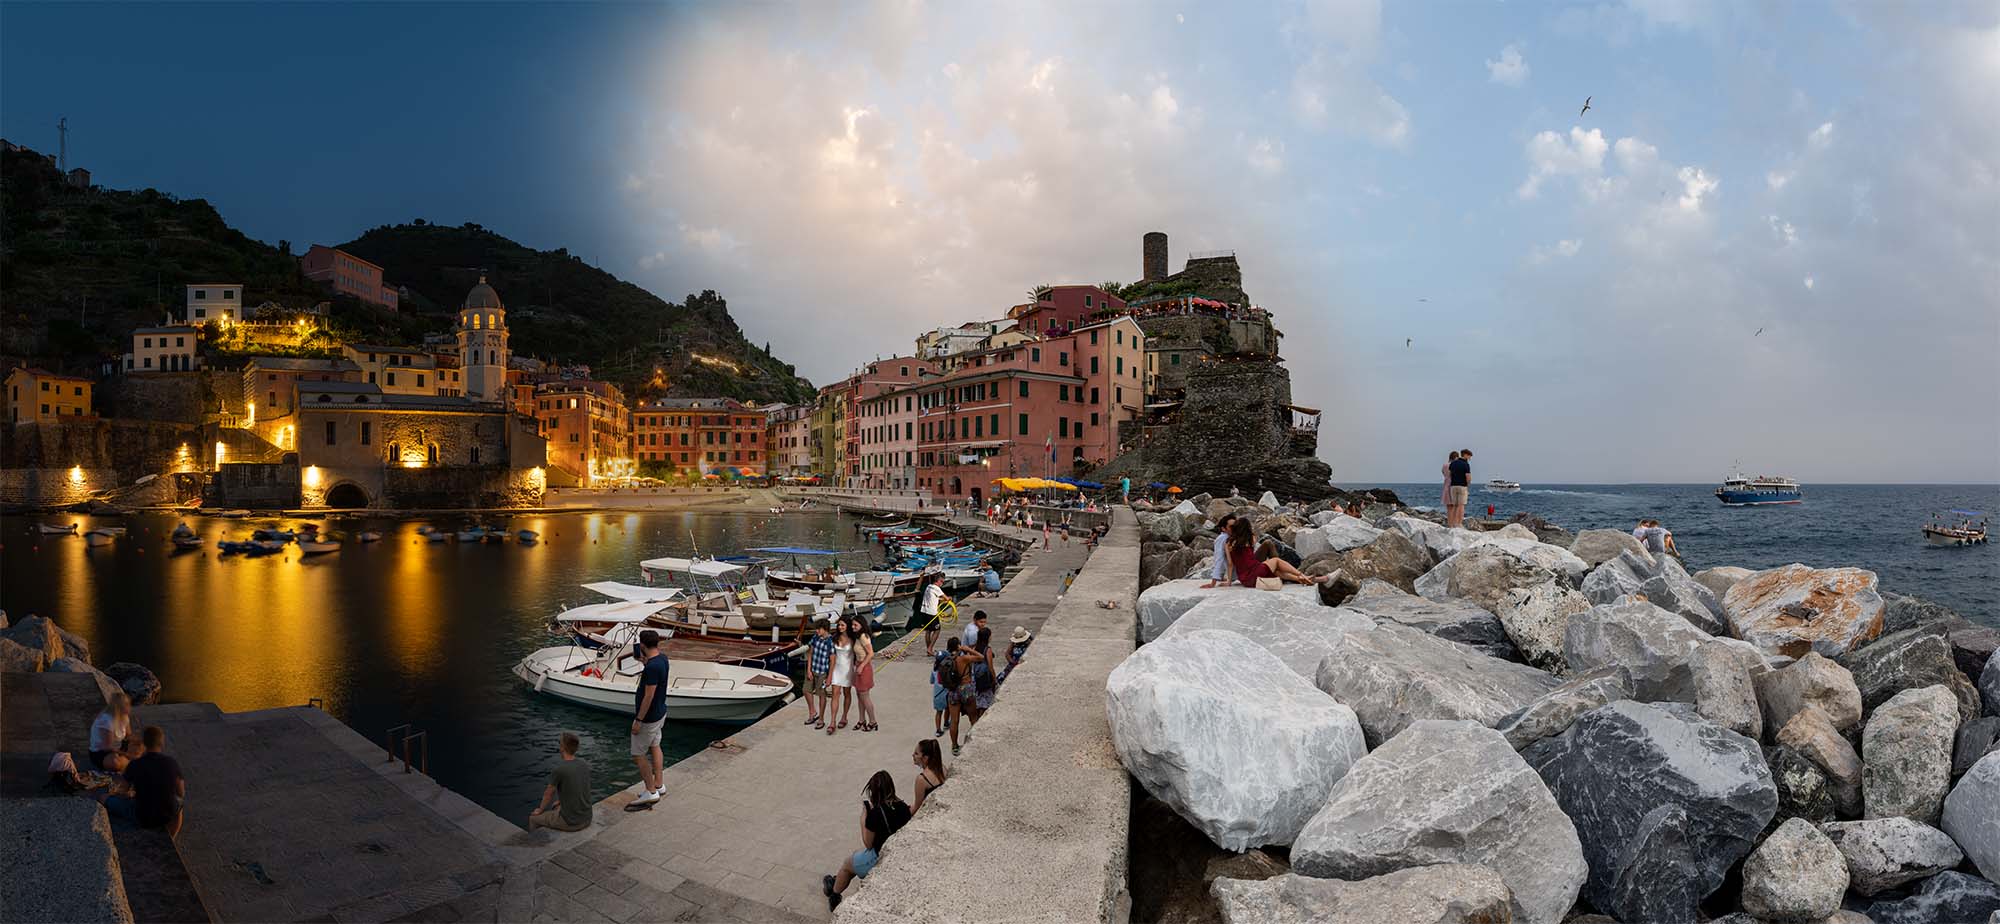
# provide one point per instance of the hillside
(563, 309)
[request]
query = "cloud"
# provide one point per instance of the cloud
(1550, 155)
(1337, 43)
(1266, 156)
(1509, 69)
(1562, 249)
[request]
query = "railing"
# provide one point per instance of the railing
(423, 764)
(1209, 254)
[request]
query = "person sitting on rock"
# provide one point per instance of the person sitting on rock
(1253, 562)
(112, 744)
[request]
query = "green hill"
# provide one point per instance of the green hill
(563, 309)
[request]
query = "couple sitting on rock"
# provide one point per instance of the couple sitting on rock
(1253, 564)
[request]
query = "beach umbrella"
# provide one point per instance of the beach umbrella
(1176, 489)
(1157, 485)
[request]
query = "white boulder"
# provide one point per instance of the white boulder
(1292, 626)
(1394, 675)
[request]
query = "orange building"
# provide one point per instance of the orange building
(701, 436)
(39, 396)
(587, 427)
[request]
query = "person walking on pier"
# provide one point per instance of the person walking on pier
(864, 673)
(566, 800)
(971, 632)
(842, 678)
(649, 717)
(944, 689)
(819, 664)
(882, 814)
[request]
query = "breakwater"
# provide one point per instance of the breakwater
(1520, 722)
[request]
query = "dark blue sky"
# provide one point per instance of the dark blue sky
(315, 122)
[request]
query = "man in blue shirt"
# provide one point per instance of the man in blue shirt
(1218, 570)
(819, 668)
(1461, 486)
(649, 714)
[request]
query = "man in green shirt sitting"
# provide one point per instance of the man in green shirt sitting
(568, 790)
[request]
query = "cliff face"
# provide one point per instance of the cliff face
(1232, 432)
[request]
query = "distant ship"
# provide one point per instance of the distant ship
(1739, 491)
(1503, 486)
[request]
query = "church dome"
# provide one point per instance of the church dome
(482, 297)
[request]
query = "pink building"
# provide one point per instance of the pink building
(874, 379)
(348, 275)
(888, 425)
(1043, 407)
(1066, 308)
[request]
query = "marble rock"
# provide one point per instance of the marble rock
(1908, 660)
(1291, 626)
(1884, 853)
(1723, 688)
(1162, 604)
(1481, 575)
(1976, 739)
(1617, 577)
(1906, 755)
(1436, 539)
(1719, 580)
(1597, 546)
(1554, 711)
(1450, 619)
(1972, 815)
(1448, 792)
(1989, 684)
(1796, 875)
(1520, 542)
(1186, 508)
(1268, 501)
(1162, 527)
(1795, 609)
(1902, 611)
(1664, 801)
(1338, 535)
(1811, 733)
(1971, 646)
(1664, 583)
(1535, 620)
(1444, 894)
(1393, 675)
(1811, 680)
(1196, 718)
(1392, 558)
(1803, 788)
(1950, 897)
(1655, 647)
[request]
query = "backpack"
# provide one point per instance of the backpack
(982, 677)
(947, 671)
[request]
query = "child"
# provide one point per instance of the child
(942, 670)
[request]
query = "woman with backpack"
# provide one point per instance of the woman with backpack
(944, 683)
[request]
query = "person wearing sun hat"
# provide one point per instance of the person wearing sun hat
(1017, 648)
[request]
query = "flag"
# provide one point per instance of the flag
(1049, 443)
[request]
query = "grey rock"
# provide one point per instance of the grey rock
(1535, 620)
(138, 683)
(16, 658)
(1723, 691)
(1521, 542)
(1339, 534)
(1655, 647)
(1884, 853)
(1976, 739)
(1553, 712)
(1393, 675)
(1949, 897)
(1292, 627)
(1972, 815)
(1902, 611)
(1621, 576)
(1672, 589)
(1162, 527)
(1392, 557)
(1664, 801)
(1194, 717)
(60, 861)
(1597, 546)
(46, 641)
(1448, 792)
(1447, 894)
(1906, 755)
(1441, 542)
(1908, 660)
(1989, 684)
(1811, 680)
(1803, 788)
(1719, 580)
(1795, 609)
(1811, 733)
(1971, 646)
(1796, 875)
(1158, 567)
(1481, 575)
(1160, 605)
(1449, 619)
(1337, 589)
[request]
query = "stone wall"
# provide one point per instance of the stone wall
(113, 451)
(1232, 432)
(1195, 337)
(255, 484)
(460, 486)
(52, 487)
(160, 397)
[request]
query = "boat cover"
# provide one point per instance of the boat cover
(697, 567)
(633, 593)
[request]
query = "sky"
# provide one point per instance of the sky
(1456, 255)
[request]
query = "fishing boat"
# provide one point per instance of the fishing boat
(1969, 530)
(274, 535)
(316, 547)
(728, 598)
(437, 537)
(184, 538)
(869, 584)
(47, 530)
(474, 534)
(1763, 490)
(1502, 486)
(527, 536)
(100, 536)
(608, 678)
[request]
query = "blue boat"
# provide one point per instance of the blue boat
(1742, 491)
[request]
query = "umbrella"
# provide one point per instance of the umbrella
(1157, 484)
(1176, 489)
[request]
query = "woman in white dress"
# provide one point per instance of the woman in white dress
(842, 676)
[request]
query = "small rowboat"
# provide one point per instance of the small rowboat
(48, 530)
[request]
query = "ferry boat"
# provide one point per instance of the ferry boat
(1967, 531)
(1743, 491)
(1503, 486)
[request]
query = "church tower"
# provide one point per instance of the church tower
(482, 344)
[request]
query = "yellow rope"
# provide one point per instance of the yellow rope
(946, 615)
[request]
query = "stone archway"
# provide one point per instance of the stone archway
(346, 494)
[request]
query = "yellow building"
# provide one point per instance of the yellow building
(394, 369)
(40, 396)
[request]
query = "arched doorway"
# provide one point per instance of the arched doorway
(347, 494)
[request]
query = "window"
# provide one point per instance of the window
(367, 431)
(1024, 425)
(1174, 360)
(1062, 358)
(431, 451)
(45, 408)
(201, 312)
(45, 386)
(371, 378)
(201, 293)
(1093, 418)
(994, 423)
(1035, 354)
(1120, 365)
(1062, 392)
(420, 380)
(392, 379)
(1093, 338)
(1086, 300)
(1121, 338)
(978, 427)
(148, 363)
(329, 432)
(1024, 388)
(475, 455)
(228, 295)
(1120, 396)
(1093, 365)
(149, 342)
(1062, 427)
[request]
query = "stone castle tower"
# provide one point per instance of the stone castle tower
(482, 344)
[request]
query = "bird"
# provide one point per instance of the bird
(1406, 343)
(1423, 299)
(1586, 107)
(1759, 333)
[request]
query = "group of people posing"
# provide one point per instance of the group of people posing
(840, 669)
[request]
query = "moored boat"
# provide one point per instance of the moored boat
(608, 678)
(370, 536)
(1763, 490)
(47, 530)
(316, 547)
(100, 536)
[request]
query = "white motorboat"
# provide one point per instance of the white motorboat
(101, 536)
(608, 678)
(1503, 486)
(370, 536)
(47, 530)
(527, 536)
(315, 547)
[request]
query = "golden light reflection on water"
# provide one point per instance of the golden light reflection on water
(409, 596)
(274, 652)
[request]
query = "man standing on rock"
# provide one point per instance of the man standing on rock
(1461, 486)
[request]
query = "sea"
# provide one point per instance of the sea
(1872, 526)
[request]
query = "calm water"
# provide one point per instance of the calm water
(1869, 526)
(393, 632)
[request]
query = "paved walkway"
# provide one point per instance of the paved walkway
(746, 833)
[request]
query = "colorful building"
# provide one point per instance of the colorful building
(396, 370)
(874, 379)
(788, 439)
(588, 428)
(40, 396)
(220, 302)
(164, 349)
(1059, 310)
(889, 438)
(348, 274)
(482, 345)
(829, 426)
(359, 447)
(701, 436)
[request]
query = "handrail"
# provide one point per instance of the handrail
(425, 764)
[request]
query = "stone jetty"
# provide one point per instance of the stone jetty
(1577, 728)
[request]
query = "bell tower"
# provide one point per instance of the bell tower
(482, 344)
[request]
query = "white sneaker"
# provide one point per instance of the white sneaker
(661, 792)
(645, 796)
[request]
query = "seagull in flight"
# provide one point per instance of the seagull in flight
(1423, 299)
(1586, 107)
(1759, 333)
(1406, 343)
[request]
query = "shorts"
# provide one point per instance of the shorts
(968, 695)
(938, 698)
(1458, 494)
(97, 759)
(863, 861)
(553, 820)
(647, 738)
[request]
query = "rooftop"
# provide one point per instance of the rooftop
(300, 364)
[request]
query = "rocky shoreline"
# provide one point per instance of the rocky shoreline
(1517, 723)
(37, 644)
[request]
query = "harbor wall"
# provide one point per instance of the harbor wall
(1044, 768)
